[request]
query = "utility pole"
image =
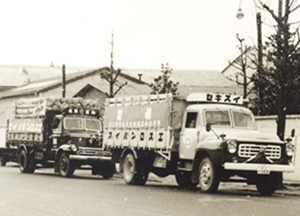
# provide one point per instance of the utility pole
(111, 89)
(260, 61)
(63, 81)
(240, 15)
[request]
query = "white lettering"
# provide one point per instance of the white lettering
(148, 113)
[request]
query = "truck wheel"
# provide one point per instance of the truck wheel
(161, 172)
(184, 180)
(109, 170)
(66, 168)
(96, 170)
(26, 162)
(134, 171)
(208, 176)
(129, 169)
(3, 161)
(267, 184)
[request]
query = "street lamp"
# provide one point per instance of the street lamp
(240, 15)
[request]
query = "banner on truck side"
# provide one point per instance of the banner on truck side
(25, 126)
(142, 116)
(138, 125)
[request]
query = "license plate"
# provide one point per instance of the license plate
(99, 153)
(263, 170)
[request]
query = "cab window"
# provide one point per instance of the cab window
(191, 119)
(243, 119)
(217, 117)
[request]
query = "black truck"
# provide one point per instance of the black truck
(66, 133)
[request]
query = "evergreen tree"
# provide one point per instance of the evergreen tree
(163, 84)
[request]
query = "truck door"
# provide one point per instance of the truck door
(189, 135)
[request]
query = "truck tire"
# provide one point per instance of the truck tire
(142, 177)
(161, 172)
(209, 179)
(26, 162)
(66, 168)
(134, 171)
(3, 161)
(108, 170)
(267, 184)
(184, 180)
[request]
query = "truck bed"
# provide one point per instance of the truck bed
(147, 122)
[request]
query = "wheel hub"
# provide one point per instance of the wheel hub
(205, 174)
(64, 164)
(129, 169)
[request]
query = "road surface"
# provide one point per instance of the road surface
(44, 193)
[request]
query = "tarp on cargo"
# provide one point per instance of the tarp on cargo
(36, 107)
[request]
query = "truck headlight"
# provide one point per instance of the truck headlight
(74, 148)
(289, 149)
(231, 146)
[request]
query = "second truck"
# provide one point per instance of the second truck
(203, 140)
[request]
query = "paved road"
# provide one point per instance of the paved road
(44, 193)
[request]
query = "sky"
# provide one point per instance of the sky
(186, 34)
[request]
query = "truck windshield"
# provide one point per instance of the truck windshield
(92, 124)
(217, 117)
(243, 119)
(73, 123)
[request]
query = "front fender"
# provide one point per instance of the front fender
(62, 148)
(212, 149)
(210, 144)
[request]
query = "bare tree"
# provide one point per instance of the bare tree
(242, 65)
(113, 75)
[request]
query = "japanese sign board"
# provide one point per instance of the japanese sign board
(138, 125)
(25, 126)
(153, 115)
(215, 98)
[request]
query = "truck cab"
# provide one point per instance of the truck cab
(83, 130)
(221, 140)
(227, 121)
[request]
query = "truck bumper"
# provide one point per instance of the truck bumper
(260, 168)
(89, 158)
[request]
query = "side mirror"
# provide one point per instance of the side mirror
(293, 133)
(208, 127)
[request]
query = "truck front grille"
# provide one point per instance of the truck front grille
(85, 142)
(251, 150)
(88, 151)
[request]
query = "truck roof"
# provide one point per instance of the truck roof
(204, 106)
